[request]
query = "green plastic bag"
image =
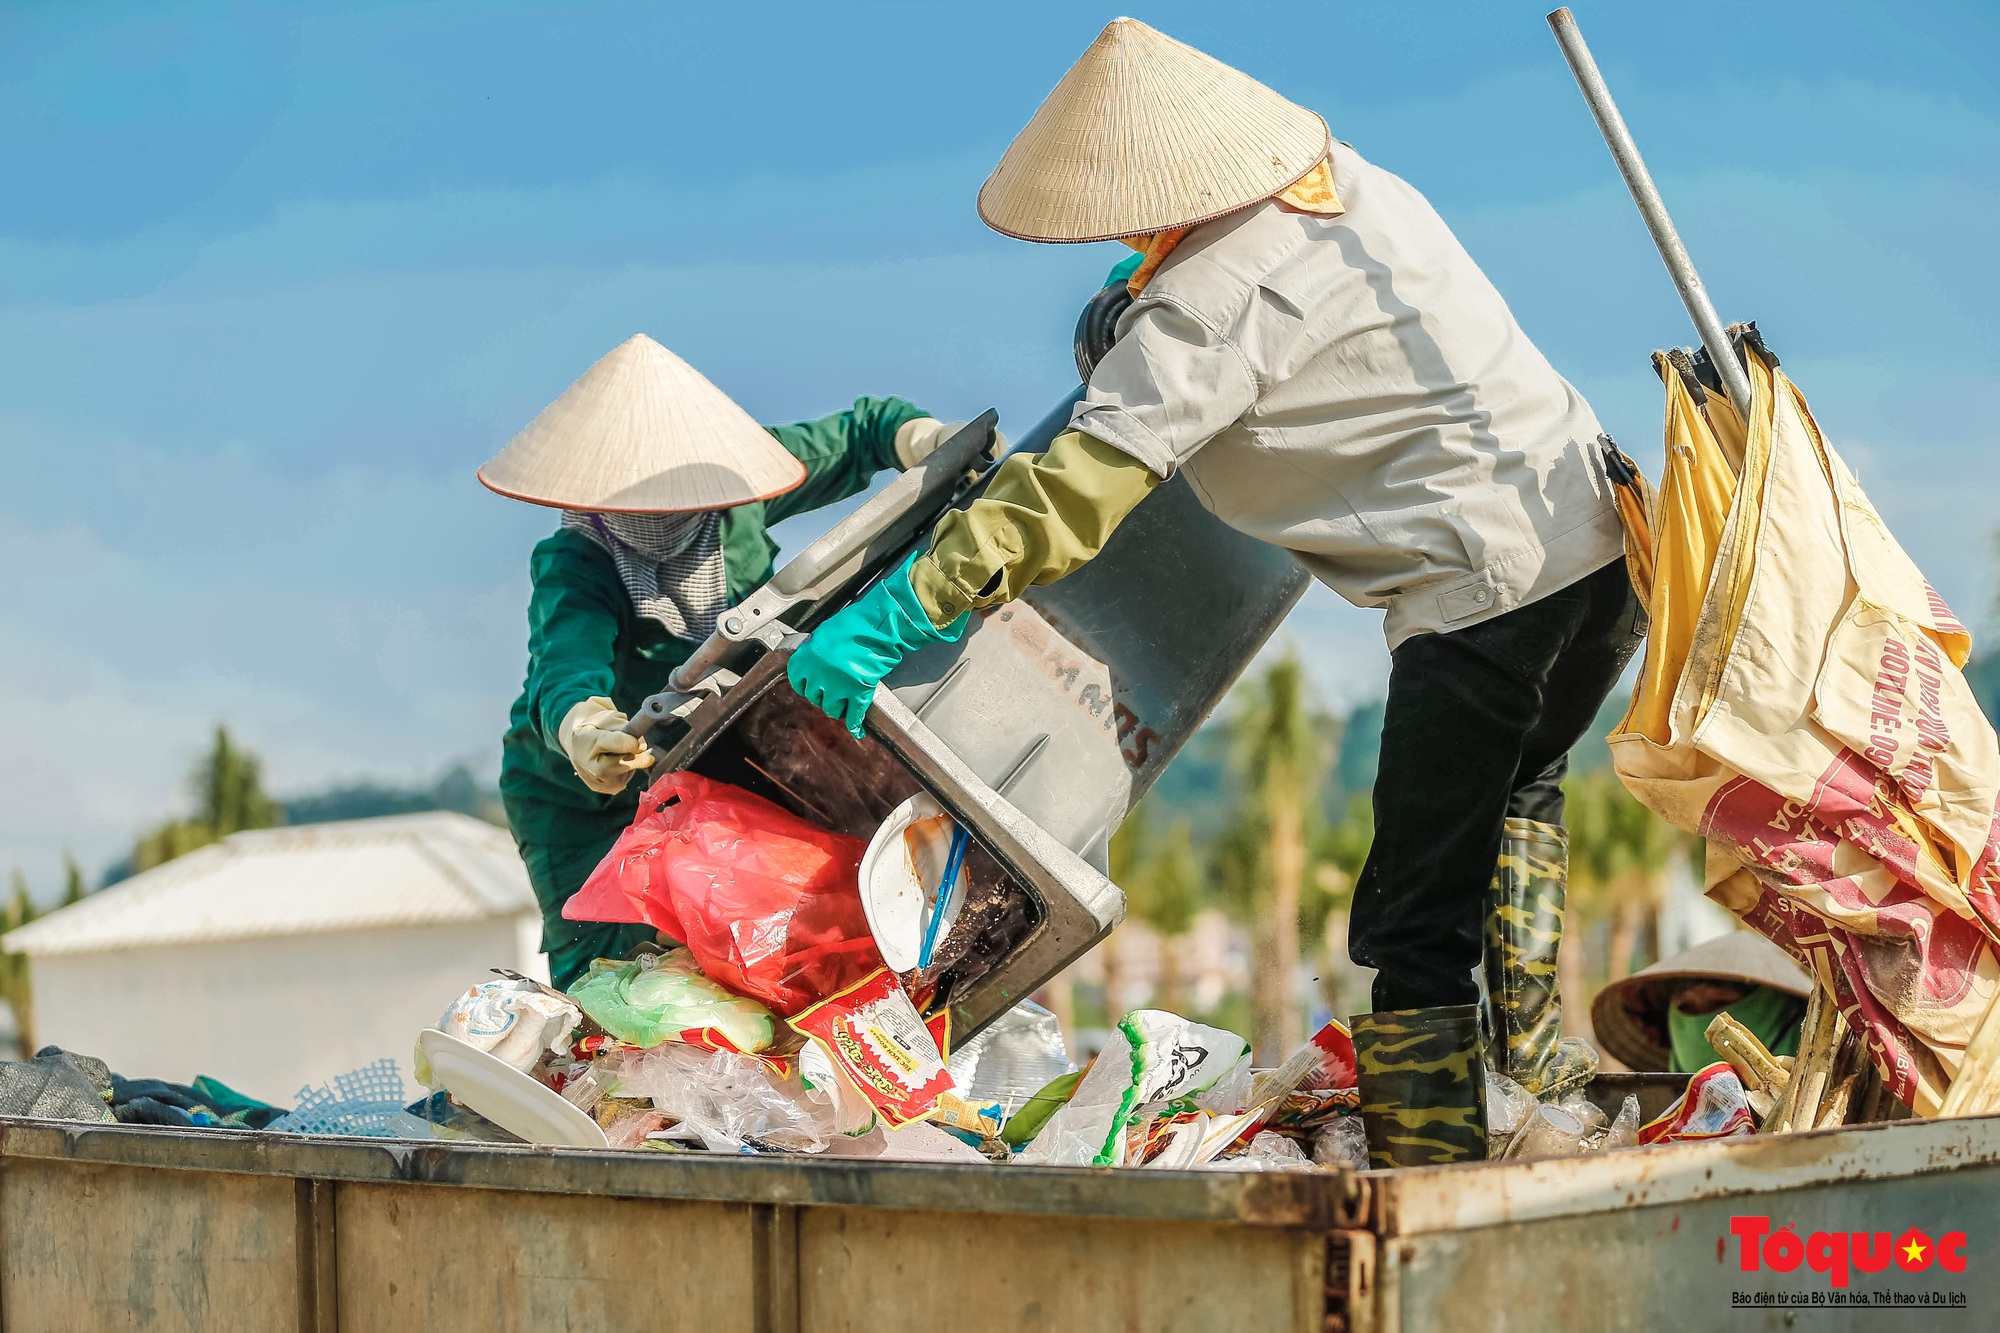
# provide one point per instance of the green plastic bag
(665, 997)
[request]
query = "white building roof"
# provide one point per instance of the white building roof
(427, 869)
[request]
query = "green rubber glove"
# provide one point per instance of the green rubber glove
(837, 668)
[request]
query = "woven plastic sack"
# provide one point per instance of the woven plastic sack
(56, 1085)
(365, 1102)
(768, 904)
(1801, 707)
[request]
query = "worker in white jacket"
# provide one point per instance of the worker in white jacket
(1311, 347)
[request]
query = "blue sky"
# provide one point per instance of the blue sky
(275, 279)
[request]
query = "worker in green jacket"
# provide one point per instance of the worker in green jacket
(668, 491)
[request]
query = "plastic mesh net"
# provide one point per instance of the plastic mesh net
(365, 1102)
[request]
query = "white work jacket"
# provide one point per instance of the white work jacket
(1354, 389)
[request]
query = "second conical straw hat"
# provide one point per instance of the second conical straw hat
(642, 432)
(1145, 134)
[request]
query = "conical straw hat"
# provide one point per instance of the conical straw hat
(1145, 134)
(642, 432)
(1629, 1017)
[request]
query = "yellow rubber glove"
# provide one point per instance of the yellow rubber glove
(604, 755)
(919, 437)
(1042, 516)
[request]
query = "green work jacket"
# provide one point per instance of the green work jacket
(585, 638)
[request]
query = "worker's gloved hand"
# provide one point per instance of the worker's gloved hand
(919, 437)
(837, 669)
(605, 756)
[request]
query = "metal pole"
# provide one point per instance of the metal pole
(1645, 194)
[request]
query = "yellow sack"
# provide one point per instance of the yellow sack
(1801, 707)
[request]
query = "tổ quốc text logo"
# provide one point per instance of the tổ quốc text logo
(1840, 1254)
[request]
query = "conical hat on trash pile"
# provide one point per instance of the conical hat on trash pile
(642, 432)
(1629, 1017)
(1145, 134)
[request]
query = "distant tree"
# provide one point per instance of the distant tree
(1649, 844)
(73, 885)
(1619, 854)
(1166, 895)
(1339, 852)
(229, 797)
(1126, 863)
(1281, 756)
(1360, 750)
(457, 790)
(14, 979)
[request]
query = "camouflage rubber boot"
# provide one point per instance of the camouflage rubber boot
(1524, 920)
(1423, 1088)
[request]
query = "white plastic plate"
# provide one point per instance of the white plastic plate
(900, 871)
(506, 1096)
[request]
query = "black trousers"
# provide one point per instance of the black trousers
(1478, 727)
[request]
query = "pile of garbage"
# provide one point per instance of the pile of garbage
(778, 1025)
(661, 1057)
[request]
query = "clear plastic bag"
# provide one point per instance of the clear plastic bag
(629, 1130)
(728, 1102)
(853, 1114)
(1589, 1113)
(1342, 1143)
(1152, 1059)
(1015, 1057)
(1549, 1131)
(517, 1022)
(1624, 1130)
(1269, 1151)
(918, 1141)
(1508, 1105)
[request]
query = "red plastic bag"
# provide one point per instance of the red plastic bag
(768, 903)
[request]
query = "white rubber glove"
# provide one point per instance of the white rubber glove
(919, 437)
(604, 754)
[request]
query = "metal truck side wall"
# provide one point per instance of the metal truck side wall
(93, 1247)
(134, 1228)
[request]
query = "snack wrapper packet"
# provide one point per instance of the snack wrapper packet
(665, 997)
(1154, 1061)
(959, 1116)
(518, 1022)
(768, 903)
(872, 1034)
(1318, 1081)
(1715, 1106)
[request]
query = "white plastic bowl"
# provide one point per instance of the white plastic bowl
(506, 1096)
(899, 876)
